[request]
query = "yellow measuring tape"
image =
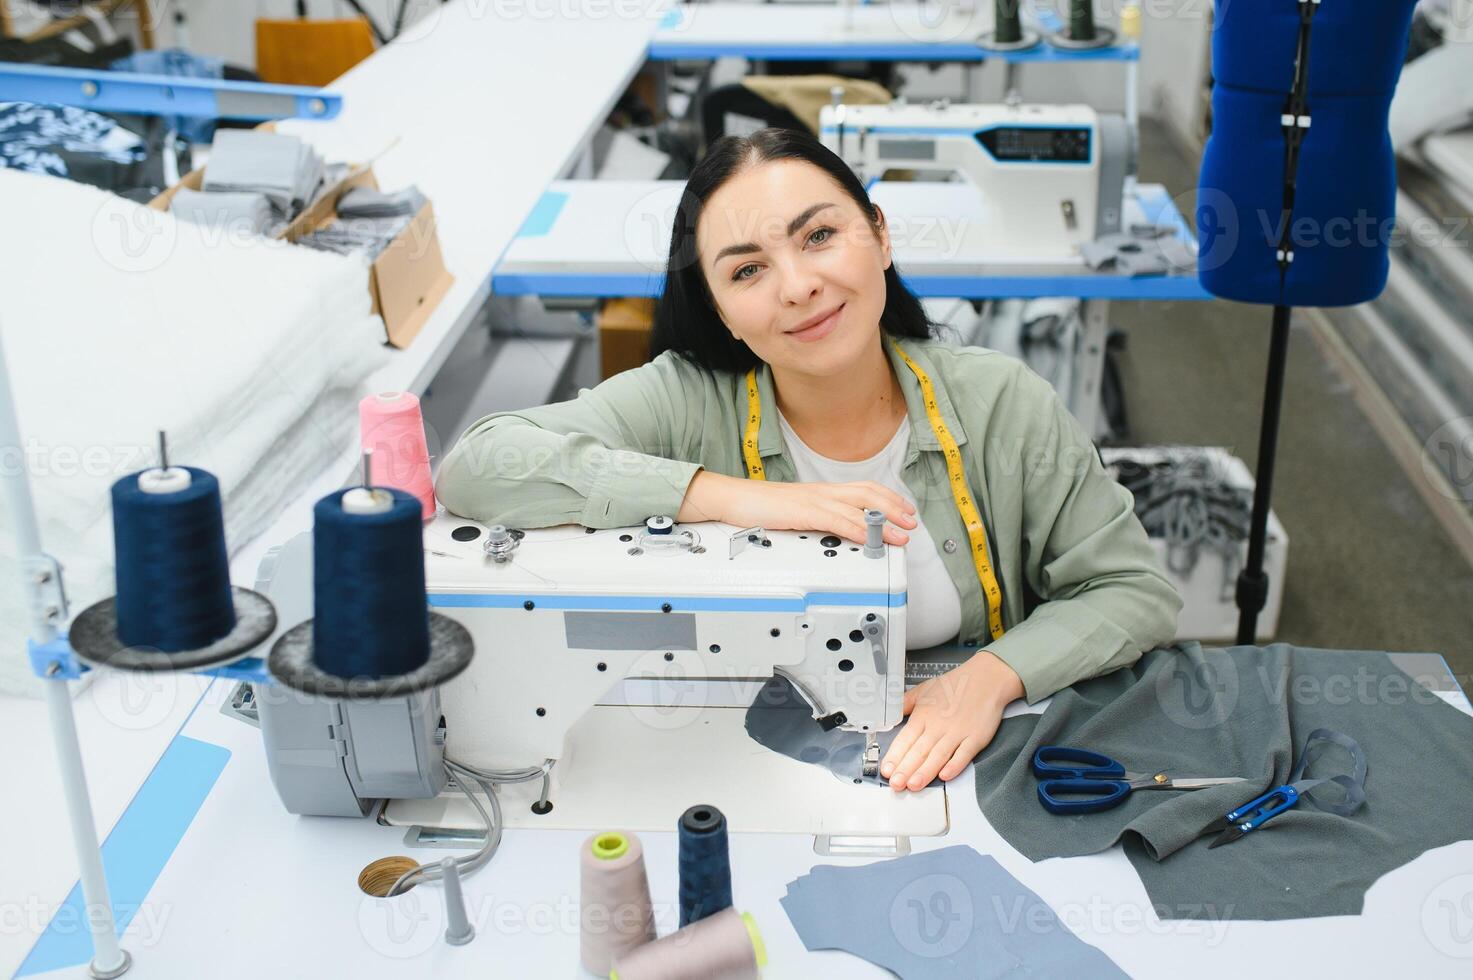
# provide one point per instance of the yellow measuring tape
(955, 472)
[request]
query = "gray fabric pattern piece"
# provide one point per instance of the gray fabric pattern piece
(1247, 711)
(939, 914)
(780, 719)
(281, 167)
(1144, 250)
(223, 212)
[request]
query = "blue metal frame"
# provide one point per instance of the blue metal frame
(164, 95)
(59, 654)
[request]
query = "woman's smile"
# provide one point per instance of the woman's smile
(817, 328)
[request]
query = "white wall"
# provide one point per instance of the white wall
(1175, 61)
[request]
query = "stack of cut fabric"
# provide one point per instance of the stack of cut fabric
(367, 221)
(250, 353)
(249, 172)
(939, 914)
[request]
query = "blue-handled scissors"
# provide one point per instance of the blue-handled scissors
(1080, 781)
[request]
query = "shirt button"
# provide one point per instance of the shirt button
(949, 546)
(970, 643)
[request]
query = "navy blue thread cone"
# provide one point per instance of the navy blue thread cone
(705, 864)
(172, 569)
(370, 616)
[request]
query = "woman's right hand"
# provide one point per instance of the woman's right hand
(833, 508)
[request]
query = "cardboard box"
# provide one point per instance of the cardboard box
(1208, 590)
(407, 279)
(624, 334)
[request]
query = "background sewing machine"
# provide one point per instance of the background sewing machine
(626, 658)
(1050, 177)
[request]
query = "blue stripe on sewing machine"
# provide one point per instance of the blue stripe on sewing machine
(57, 657)
(461, 600)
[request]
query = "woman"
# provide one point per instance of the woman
(781, 298)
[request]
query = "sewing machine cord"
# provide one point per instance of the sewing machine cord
(463, 775)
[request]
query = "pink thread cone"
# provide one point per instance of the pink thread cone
(392, 426)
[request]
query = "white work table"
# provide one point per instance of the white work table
(408, 108)
(247, 889)
(612, 238)
(928, 31)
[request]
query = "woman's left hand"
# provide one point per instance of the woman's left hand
(951, 719)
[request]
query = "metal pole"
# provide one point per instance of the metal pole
(109, 959)
(1252, 593)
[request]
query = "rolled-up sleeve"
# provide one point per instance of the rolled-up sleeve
(1105, 598)
(611, 457)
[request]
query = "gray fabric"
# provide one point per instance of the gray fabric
(283, 168)
(1247, 711)
(365, 202)
(223, 211)
(367, 221)
(1144, 250)
(780, 719)
(939, 914)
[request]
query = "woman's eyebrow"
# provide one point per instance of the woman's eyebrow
(743, 247)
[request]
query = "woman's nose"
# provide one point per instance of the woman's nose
(797, 283)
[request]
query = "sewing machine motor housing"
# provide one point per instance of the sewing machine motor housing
(1051, 178)
(329, 757)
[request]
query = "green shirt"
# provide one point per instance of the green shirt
(1083, 593)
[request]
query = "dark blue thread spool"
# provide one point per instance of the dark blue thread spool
(705, 864)
(370, 616)
(172, 570)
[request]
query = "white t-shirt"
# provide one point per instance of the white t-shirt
(933, 612)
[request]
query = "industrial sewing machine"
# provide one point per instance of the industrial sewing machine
(622, 661)
(1050, 178)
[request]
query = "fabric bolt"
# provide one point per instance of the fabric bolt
(933, 609)
(780, 719)
(53, 140)
(1247, 711)
(223, 212)
(936, 915)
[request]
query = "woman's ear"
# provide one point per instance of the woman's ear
(882, 230)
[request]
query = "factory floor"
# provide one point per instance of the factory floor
(1370, 566)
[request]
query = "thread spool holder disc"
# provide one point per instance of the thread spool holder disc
(291, 663)
(94, 638)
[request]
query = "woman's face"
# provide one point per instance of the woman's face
(796, 268)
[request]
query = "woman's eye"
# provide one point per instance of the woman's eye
(820, 235)
(745, 272)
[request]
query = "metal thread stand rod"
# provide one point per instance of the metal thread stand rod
(109, 959)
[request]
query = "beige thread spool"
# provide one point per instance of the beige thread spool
(615, 914)
(724, 946)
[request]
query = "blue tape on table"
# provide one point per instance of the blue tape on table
(134, 854)
(544, 214)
